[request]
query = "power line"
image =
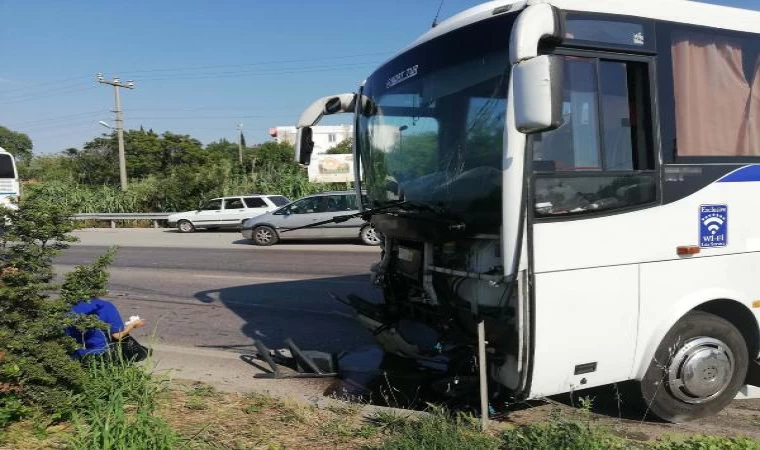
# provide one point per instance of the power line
(258, 63)
(235, 74)
(45, 96)
(189, 77)
(33, 87)
(59, 118)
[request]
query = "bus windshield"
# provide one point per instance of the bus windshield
(6, 166)
(433, 133)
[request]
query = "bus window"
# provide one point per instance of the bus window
(716, 83)
(601, 158)
(6, 167)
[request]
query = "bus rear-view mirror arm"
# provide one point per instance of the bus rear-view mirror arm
(331, 104)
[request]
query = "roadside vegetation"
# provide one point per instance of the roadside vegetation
(167, 172)
(48, 400)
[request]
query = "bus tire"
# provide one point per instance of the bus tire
(697, 369)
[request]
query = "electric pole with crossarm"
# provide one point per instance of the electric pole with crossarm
(116, 83)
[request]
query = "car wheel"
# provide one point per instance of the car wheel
(697, 370)
(264, 235)
(369, 235)
(185, 226)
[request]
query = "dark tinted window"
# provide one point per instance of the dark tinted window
(6, 167)
(212, 205)
(255, 202)
(591, 30)
(279, 200)
(309, 205)
(233, 203)
(341, 203)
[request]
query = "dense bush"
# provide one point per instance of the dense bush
(36, 370)
(166, 173)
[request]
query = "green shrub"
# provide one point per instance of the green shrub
(562, 434)
(709, 443)
(118, 410)
(37, 363)
(440, 431)
(11, 409)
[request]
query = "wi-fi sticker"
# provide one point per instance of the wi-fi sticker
(713, 226)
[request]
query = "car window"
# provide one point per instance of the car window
(351, 204)
(255, 202)
(279, 200)
(341, 203)
(213, 205)
(233, 203)
(309, 205)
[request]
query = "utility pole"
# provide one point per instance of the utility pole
(240, 143)
(116, 83)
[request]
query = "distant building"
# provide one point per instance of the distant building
(323, 168)
(324, 136)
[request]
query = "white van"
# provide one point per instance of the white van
(226, 212)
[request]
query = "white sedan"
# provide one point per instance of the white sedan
(226, 212)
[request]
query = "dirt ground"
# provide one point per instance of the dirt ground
(208, 419)
(260, 421)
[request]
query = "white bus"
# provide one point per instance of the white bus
(585, 176)
(9, 183)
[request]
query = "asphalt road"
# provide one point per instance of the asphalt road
(223, 295)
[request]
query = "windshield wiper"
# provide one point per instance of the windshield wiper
(366, 214)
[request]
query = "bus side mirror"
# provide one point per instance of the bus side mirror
(304, 146)
(537, 91)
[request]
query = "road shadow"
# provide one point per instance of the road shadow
(302, 310)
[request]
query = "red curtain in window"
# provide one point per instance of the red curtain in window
(717, 109)
(753, 128)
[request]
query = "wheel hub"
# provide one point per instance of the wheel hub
(701, 370)
(263, 235)
(371, 235)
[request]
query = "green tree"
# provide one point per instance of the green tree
(97, 162)
(18, 144)
(32, 339)
(222, 150)
(48, 167)
(343, 147)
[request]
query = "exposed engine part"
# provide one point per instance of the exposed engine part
(409, 263)
(379, 270)
(427, 278)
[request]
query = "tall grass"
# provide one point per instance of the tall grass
(439, 430)
(118, 410)
(179, 190)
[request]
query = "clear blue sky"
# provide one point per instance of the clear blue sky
(200, 66)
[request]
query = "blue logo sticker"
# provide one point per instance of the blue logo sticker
(713, 226)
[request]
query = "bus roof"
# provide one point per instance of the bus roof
(681, 11)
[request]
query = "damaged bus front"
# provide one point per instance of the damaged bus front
(431, 138)
(520, 160)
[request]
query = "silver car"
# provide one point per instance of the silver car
(226, 212)
(266, 228)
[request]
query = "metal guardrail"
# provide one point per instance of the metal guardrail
(113, 217)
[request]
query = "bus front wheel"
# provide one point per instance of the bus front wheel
(697, 370)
